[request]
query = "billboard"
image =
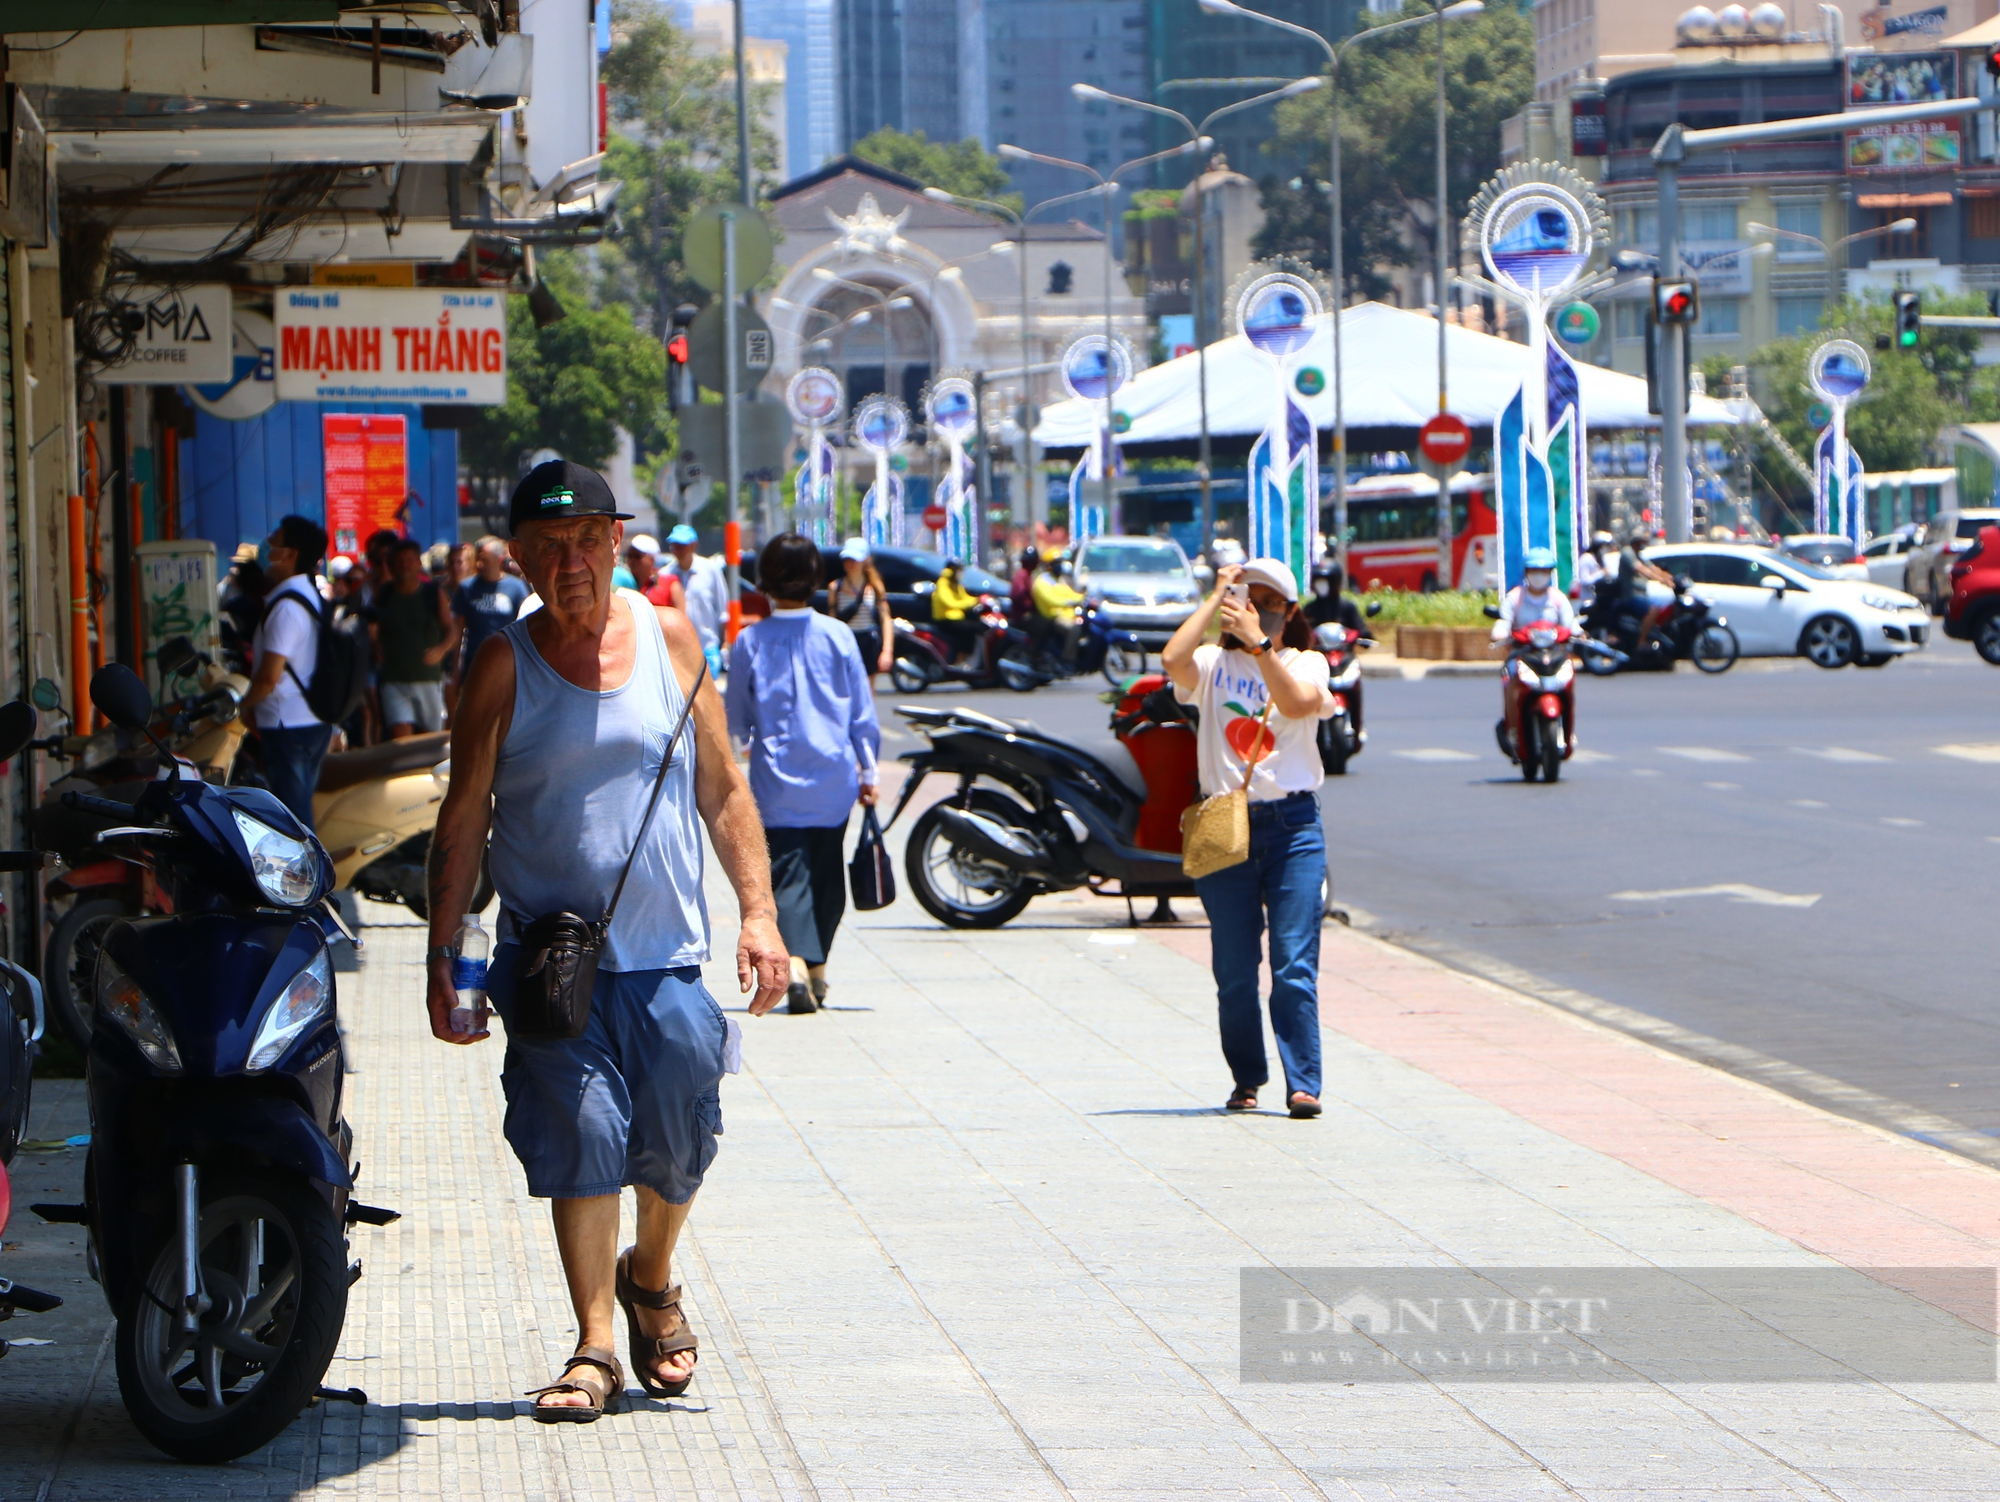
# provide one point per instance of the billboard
(1903, 78)
(417, 344)
(367, 475)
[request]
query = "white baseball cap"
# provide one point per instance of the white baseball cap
(643, 542)
(1270, 572)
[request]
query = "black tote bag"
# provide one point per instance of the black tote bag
(869, 876)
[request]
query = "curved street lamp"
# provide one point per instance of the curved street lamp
(1091, 92)
(1454, 12)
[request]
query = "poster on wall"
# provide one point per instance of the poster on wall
(367, 469)
(418, 344)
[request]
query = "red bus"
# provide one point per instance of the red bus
(1393, 537)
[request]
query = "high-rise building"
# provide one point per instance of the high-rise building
(812, 74)
(912, 65)
(1187, 42)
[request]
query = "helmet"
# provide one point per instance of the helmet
(1052, 554)
(1539, 558)
(1227, 550)
(1602, 540)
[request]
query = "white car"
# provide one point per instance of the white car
(1781, 607)
(1888, 554)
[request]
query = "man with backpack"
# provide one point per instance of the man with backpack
(415, 632)
(285, 660)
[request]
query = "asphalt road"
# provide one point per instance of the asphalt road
(1785, 871)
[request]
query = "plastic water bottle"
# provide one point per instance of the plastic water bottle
(468, 977)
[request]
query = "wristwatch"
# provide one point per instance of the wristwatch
(1264, 647)
(442, 952)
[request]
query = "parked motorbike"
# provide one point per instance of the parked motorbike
(1689, 628)
(978, 858)
(217, 1190)
(1000, 660)
(375, 810)
(97, 887)
(1341, 735)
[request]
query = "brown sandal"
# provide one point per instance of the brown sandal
(646, 1349)
(1241, 1099)
(603, 1395)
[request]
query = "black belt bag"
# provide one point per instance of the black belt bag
(557, 964)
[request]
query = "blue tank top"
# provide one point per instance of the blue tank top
(573, 777)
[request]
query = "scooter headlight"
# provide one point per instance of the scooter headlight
(297, 1008)
(120, 998)
(284, 867)
(1526, 675)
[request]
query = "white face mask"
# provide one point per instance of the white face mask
(1536, 581)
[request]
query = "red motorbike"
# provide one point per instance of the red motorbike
(1538, 692)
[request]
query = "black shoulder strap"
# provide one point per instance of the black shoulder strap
(319, 618)
(659, 782)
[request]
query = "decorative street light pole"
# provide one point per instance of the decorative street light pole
(1200, 132)
(1333, 56)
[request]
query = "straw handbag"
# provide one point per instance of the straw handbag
(1215, 833)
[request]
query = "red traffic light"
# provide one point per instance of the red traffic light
(1993, 61)
(1676, 302)
(677, 349)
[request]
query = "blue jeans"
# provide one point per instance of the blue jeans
(291, 765)
(1281, 879)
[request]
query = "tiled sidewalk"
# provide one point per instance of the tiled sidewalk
(977, 1232)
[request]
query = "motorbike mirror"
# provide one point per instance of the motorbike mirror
(1492, 612)
(175, 657)
(1773, 581)
(121, 694)
(1329, 638)
(1374, 608)
(1682, 584)
(46, 695)
(17, 728)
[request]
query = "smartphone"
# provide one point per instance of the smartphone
(1237, 591)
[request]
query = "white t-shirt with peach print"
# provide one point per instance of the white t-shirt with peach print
(1230, 694)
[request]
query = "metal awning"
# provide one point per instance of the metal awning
(304, 139)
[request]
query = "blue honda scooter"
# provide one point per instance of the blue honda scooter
(217, 1188)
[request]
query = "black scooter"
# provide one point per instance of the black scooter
(217, 1187)
(1688, 628)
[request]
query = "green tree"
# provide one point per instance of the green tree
(1388, 140)
(673, 146)
(963, 167)
(1911, 398)
(572, 385)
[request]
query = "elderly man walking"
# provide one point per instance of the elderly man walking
(563, 727)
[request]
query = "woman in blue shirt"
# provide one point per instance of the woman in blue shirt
(799, 698)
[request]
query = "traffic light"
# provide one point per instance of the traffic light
(680, 387)
(1993, 61)
(1676, 302)
(1909, 319)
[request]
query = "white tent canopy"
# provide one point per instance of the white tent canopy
(1391, 380)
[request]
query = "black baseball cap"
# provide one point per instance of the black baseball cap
(559, 489)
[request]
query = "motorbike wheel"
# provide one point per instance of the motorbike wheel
(69, 970)
(1122, 662)
(1552, 756)
(908, 677)
(1018, 675)
(956, 887)
(255, 1361)
(482, 890)
(1333, 747)
(1597, 664)
(1531, 746)
(1715, 649)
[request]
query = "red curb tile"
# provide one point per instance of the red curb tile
(1844, 1189)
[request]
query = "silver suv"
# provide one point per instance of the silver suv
(1927, 569)
(1145, 584)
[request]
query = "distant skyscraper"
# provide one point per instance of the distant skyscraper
(812, 103)
(1035, 49)
(913, 65)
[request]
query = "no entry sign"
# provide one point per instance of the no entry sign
(934, 518)
(1445, 439)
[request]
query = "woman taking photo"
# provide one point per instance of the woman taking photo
(1261, 694)
(859, 599)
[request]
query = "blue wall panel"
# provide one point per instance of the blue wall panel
(239, 478)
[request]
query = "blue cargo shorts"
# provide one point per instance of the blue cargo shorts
(636, 1100)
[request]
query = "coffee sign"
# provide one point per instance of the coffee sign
(179, 335)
